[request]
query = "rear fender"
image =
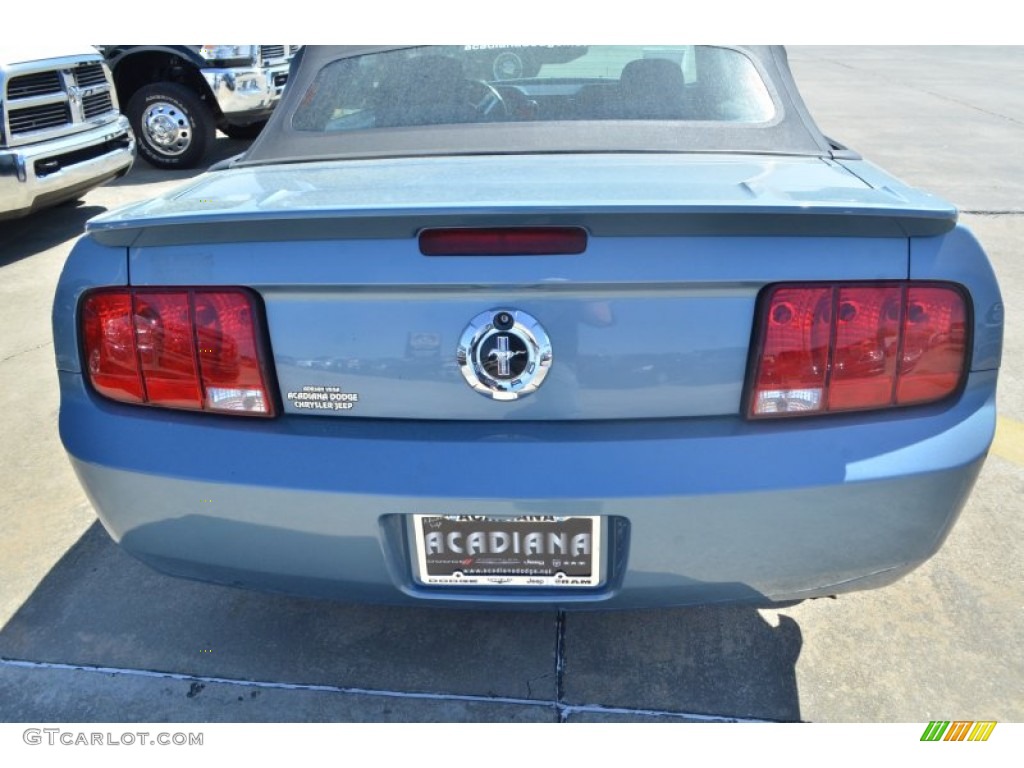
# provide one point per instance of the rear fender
(958, 257)
(90, 265)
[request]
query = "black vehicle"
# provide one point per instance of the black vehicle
(177, 96)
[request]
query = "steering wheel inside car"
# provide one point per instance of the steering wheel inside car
(486, 101)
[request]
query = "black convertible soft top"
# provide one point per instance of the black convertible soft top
(790, 131)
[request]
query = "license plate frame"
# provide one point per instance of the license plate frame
(562, 561)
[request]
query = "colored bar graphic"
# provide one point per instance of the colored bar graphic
(982, 731)
(970, 730)
(958, 731)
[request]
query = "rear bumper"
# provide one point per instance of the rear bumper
(37, 175)
(700, 511)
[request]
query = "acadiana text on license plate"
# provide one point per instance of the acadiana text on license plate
(529, 551)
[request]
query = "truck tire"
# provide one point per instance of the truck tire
(250, 131)
(173, 127)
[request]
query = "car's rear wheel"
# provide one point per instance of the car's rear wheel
(172, 126)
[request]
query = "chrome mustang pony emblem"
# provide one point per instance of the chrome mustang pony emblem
(504, 354)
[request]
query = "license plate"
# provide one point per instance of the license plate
(529, 551)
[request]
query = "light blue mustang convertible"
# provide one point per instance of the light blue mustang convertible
(621, 330)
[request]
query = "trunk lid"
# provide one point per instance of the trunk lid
(652, 320)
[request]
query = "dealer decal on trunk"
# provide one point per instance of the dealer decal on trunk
(320, 398)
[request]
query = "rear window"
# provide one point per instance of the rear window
(446, 85)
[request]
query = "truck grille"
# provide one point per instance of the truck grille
(37, 118)
(89, 75)
(39, 84)
(43, 103)
(277, 54)
(96, 104)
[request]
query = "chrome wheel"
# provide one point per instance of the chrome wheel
(173, 126)
(167, 128)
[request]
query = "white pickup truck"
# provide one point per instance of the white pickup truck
(61, 132)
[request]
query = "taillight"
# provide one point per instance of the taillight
(192, 348)
(111, 357)
(825, 348)
(503, 241)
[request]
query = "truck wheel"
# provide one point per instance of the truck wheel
(172, 126)
(250, 131)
